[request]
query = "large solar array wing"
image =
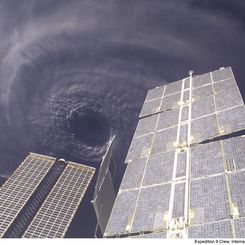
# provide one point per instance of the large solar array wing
(104, 194)
(185, 172)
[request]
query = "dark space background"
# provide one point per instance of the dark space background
(74, 73)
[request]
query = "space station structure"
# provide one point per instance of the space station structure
(40, 199)
(104, 192)
(185, 175)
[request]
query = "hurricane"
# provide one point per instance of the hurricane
(74, 74)
(67, 94)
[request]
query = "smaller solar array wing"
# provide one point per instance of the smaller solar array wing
(104, 194)
(19, 187)
(57, 211)
(104, 166)
(184, 175)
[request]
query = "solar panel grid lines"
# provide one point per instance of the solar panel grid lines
(184, 113)
(139, 147)
(209, 200)
(18, 171)
(180, 180)
(81, 167)
(203, 107)
(27, 213)
(171, 115)
(121, 214)
(201, 80)
(232, 120)
(222, 74)
(227, 182)
(45, 211)
(133, 174)
(55, 215)
(179, 200)
(170, 102)
(206, 105)
(174, 87)
(219, 229)
(203, 157)
(237, 101)
(65, 218)
(141, 182)
(25, 181)
(199, 117)
(224, 85)
(150, 108)
(228, 98)
(164, 140)
(17, 199)
(202, 92)
(41, 157)
(155, 93)
(212, 222)
(237, 181)
(234, 155)
(214, 122)
(240, 227)
(204, 152)
(160, 234)
(226, 179)
(215, 112)
(146, 126)
(151, 208)
(159, 169)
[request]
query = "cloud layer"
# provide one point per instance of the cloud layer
(95, 61)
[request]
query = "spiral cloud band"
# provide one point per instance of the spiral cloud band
(75, 73)
(70, 94)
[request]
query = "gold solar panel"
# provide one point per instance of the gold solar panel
(57, 211)
(19, 187)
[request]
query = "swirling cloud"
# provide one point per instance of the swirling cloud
(74, 73)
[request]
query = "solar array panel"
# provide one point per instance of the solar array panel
(56, 213)
(25, 192)
(104, 194)
(28, 211)
(221, 229)
(185, 172)
(19, 187)
(151, 235)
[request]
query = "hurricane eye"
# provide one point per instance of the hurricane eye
(70, 93)
(89, 126)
